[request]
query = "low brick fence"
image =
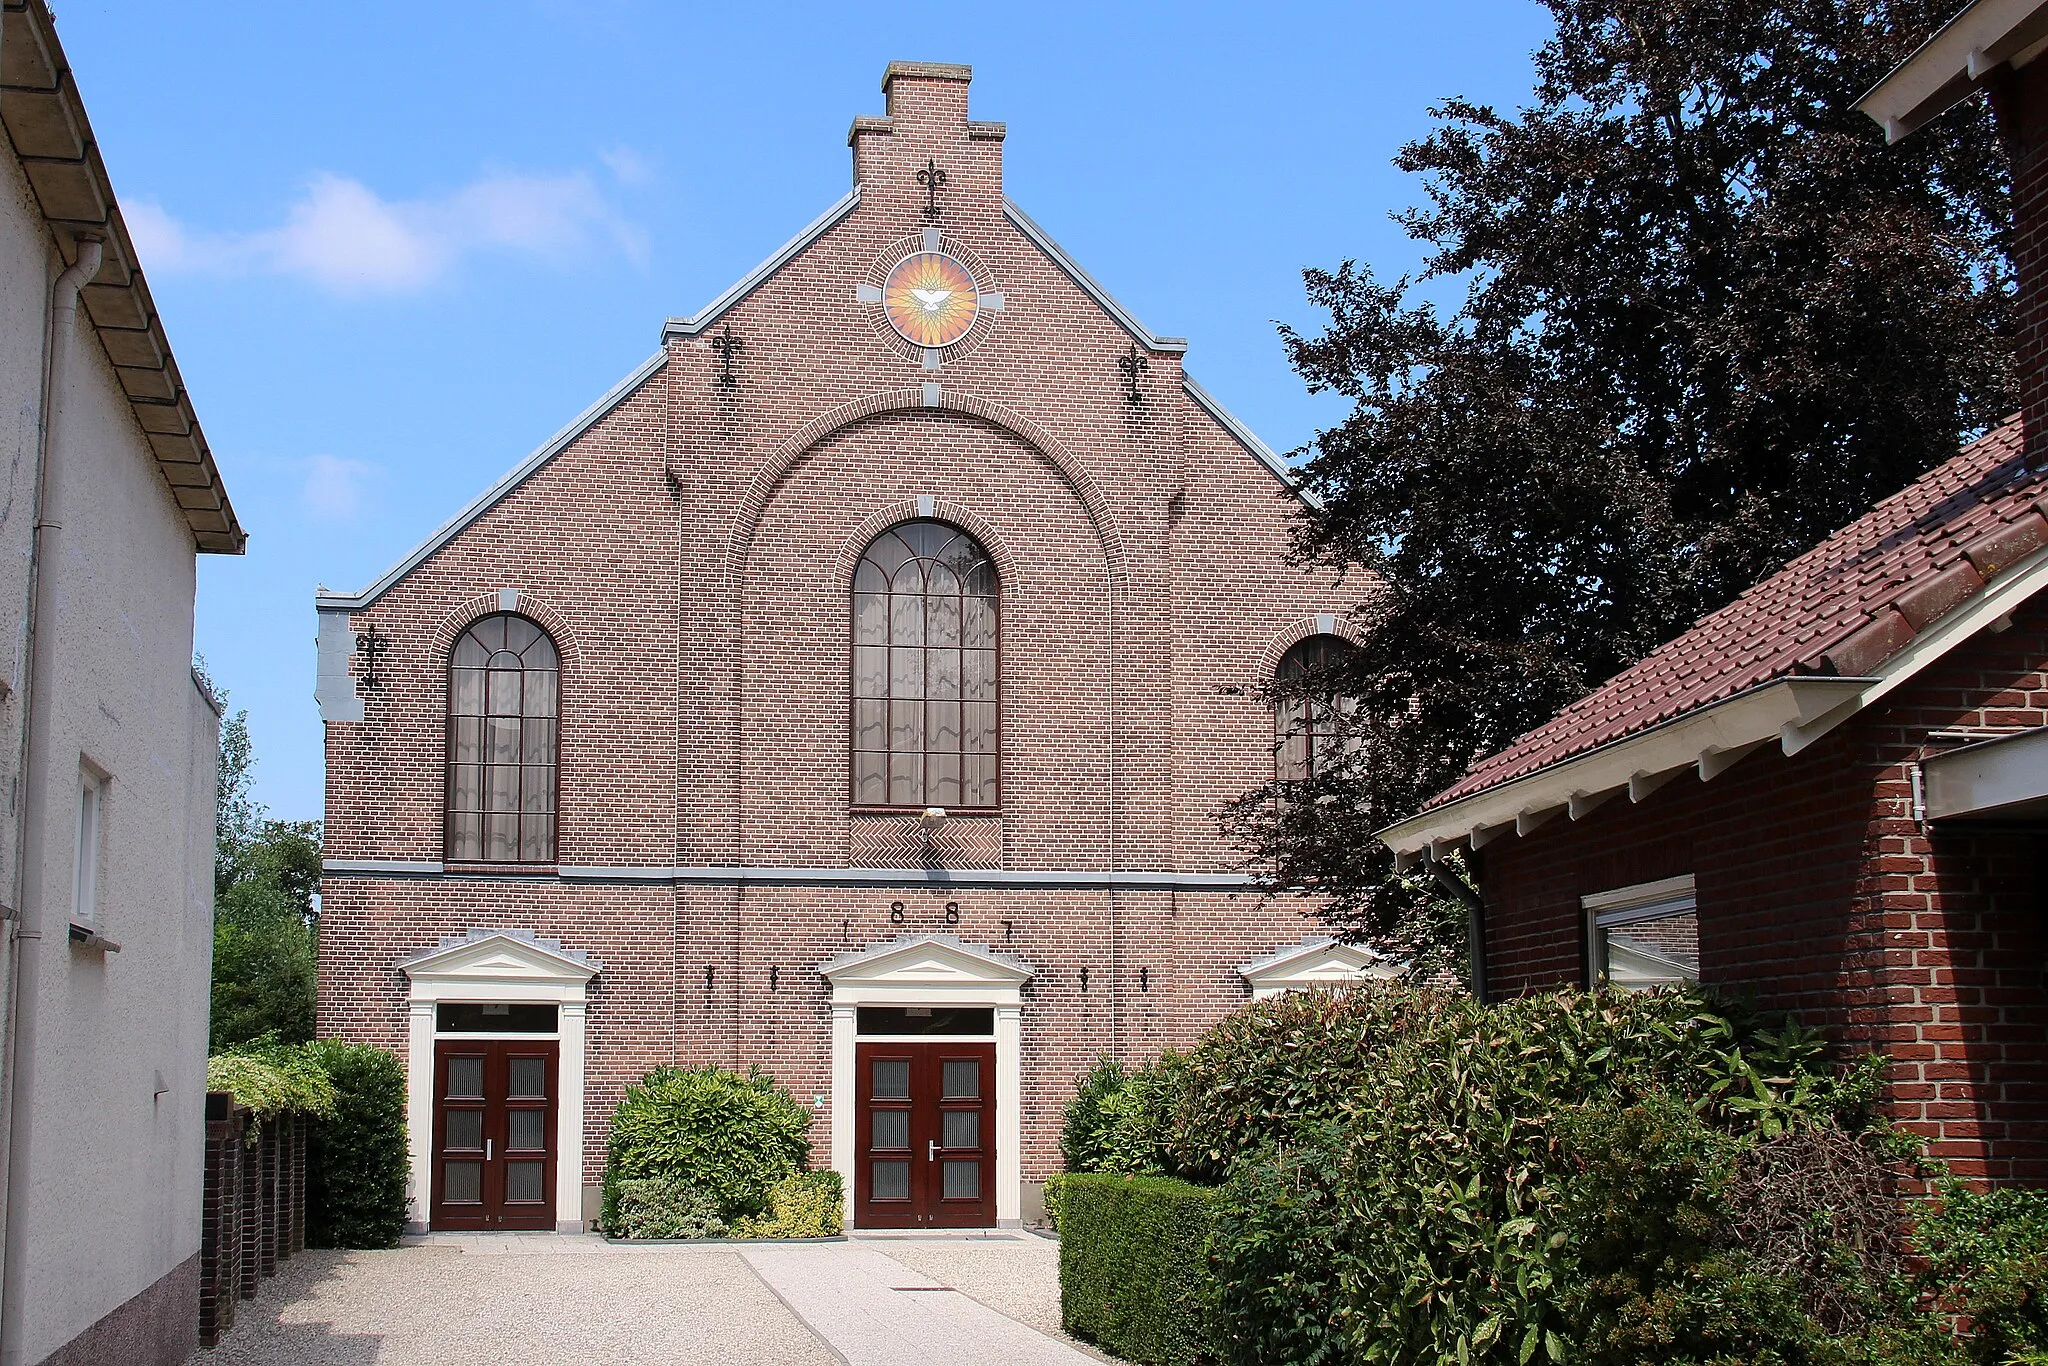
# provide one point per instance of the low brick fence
(254, 1207)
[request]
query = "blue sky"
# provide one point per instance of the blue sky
(397, 246)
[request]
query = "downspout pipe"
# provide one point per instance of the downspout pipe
(1475, 920)
(32, 820)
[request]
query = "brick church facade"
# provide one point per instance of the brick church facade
(850, 691)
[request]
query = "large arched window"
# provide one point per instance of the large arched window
(1308, 721)
(924, 670)
(502, 712)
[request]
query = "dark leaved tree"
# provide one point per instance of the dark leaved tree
(1707, 317)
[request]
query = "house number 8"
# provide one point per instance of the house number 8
(952, 912)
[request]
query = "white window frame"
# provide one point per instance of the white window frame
(86, 858)
(1627, 906)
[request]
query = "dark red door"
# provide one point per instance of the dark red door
(927, 1141)
(494, 1134)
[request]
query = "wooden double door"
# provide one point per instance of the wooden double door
(927, 1135)
(494, 1134)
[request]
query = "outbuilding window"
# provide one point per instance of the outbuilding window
(1308, 721)
(924, 670)
(503, 724)
(1643, 936)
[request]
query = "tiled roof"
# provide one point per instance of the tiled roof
(1842, 608)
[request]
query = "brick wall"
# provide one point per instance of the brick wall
(1820, 894)
(692, 553)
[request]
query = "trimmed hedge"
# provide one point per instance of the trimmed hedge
(806, 1205)
(1135, 1274)
(357, 1164)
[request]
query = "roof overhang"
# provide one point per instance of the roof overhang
(46, 122)
(1795, 712)
(1949, 67)
(1707, 740)
(2005, 779)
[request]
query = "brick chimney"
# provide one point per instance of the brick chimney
(926, 126)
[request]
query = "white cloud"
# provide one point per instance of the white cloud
(336, 486)
(629, 166)
(346, 238)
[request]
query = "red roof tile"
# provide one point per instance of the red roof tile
(1843, 607)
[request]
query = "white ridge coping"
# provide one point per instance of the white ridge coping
(1088, 284)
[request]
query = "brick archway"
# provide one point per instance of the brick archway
(753, 506)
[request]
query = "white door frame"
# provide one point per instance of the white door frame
(932, 970)
(499, 967)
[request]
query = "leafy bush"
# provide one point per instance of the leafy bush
(1987, 1258)
(1460, 1195)
(1055, 1197)
(657, 1207)
(730, 1136)
(1134, 1267)
(357, 1162)
(1119, 1118)
(273, 1080)
(806, 1205)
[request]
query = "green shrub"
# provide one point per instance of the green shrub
(1055, 1195)
(805, 1205)
(357, 1162)
(1120, 1118)
(657, 1207)
(264, 971)
(1134, 1267)
(271, 1080)
(1432, 1206)
(730, 1136)
(1987, 1258)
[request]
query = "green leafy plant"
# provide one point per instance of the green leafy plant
(1987, 1259)
(660, 1207)
(358, 1161)
(1120, 1117)
(272, 1080)
(1055, 1197)
(1135, 1275)
(803, 1205)
(730, 1135)
(1541, 1178)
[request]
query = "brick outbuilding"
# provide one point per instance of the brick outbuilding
(850, 691)
(1832, 794)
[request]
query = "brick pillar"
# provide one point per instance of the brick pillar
(301, 1138)
(287, 1206)
(267, 1237)
(220, 1232)
(250, 1218)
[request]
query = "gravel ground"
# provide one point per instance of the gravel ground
(426, 1306)
(1017, 1276)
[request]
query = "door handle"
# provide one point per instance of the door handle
(931, 1151)
(487, 1150)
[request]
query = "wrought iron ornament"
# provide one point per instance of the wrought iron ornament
(728, 348)
(371, 645)
(932, 179)
(1132, 365)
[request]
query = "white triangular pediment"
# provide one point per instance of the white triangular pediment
(1316, 960)
(500, 956)
(926, 960)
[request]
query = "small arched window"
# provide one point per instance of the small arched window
(924, 670)
(1308, 721)
(503, 702)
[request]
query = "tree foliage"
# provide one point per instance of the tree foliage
(266, 876)
(1707, 317)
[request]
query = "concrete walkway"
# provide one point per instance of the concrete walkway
(514, 1299)
(865, 1302)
